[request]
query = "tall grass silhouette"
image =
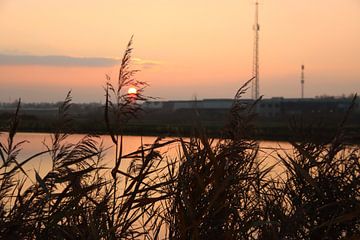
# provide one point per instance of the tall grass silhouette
(213, 189)
(76, 199)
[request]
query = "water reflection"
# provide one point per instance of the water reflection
(36, 142)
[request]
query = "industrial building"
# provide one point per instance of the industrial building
(273, 107)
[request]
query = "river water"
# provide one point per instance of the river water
(42, 164)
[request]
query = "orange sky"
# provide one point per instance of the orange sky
(184, 48)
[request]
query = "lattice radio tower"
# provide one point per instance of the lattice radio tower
(255, 82)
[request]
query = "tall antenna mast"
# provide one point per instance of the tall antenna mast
(255, 82)
(302, 80)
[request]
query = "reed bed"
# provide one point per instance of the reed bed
(213, 189)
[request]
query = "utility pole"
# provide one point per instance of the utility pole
(302, 80)
(255, 82)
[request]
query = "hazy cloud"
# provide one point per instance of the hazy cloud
(64, 61)
(145, 63)
(67, 61)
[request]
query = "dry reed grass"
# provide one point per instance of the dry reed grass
(213, 190)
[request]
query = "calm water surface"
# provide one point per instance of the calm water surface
(43, 163)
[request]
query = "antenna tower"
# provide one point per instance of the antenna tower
(255, 82)
(302, 80)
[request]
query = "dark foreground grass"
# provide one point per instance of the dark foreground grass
(213, 189)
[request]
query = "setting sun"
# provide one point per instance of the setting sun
(132, 90)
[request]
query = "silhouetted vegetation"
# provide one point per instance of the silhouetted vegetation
(213, 189)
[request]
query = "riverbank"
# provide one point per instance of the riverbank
(260, 133)
(184, 123)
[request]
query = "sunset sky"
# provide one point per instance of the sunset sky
(184, 48)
